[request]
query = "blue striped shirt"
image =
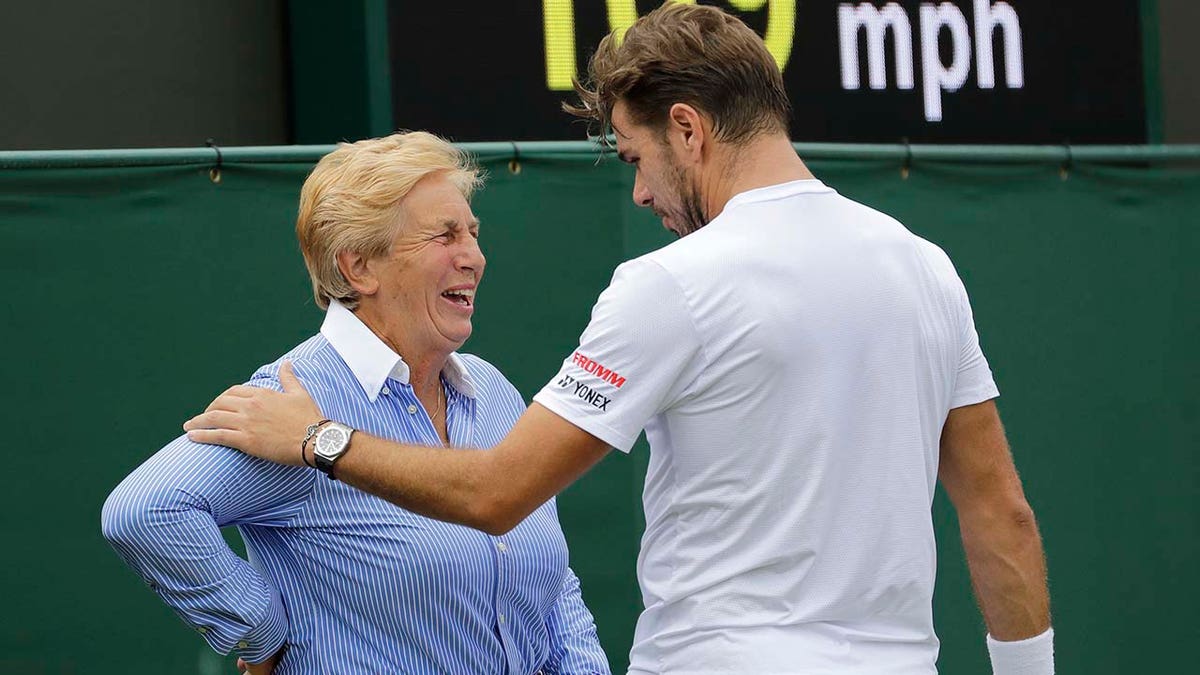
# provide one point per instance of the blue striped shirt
(352, 583)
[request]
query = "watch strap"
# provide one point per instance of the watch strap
(308, 436)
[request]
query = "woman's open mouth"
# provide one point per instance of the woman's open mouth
(463, 297)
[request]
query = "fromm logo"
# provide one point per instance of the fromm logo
(598, 370)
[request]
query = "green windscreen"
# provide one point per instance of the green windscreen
(134, 294)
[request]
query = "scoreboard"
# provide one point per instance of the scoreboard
(956, 71)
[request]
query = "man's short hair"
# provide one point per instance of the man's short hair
(351, 201)
(692, 54)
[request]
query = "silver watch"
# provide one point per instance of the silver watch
(331, 442)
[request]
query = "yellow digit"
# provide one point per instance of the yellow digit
(558, 20)
(559, 23)
(781, 25)
(622, 14)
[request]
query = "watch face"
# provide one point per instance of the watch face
(331, 441)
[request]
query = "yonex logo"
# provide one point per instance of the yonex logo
(593, 367)
(585, 392)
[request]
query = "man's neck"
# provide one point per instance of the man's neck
(762, 162)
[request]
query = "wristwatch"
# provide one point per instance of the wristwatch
(331, 442)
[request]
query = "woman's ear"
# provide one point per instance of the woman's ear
(358, 273)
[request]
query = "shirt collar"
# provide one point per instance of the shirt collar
(778, 191)
(373, 362)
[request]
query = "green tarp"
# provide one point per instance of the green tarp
(133, 294)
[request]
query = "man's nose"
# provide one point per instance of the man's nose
(641, 194)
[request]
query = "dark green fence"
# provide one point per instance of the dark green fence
(139, 284)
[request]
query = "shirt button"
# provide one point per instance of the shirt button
(501, 547)
(202, 630)
(501, 618)
(242, 644)
(385, 391)
(412, 409)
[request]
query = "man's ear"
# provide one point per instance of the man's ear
(688, 130)
(358, 273)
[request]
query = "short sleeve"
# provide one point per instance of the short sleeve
(638, 355)
(973, 381)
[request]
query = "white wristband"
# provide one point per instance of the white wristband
(1031, 656)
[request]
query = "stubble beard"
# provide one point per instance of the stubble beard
(691, 215)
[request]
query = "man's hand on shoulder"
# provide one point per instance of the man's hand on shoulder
(257, 421)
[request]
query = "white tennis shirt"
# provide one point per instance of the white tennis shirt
(792, 364)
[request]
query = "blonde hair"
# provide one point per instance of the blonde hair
(351, 201)
(694, 54)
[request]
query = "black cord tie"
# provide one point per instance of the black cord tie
(514, 164)
(214, 174)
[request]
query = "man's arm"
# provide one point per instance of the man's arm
(491, 490)
(999, 533)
